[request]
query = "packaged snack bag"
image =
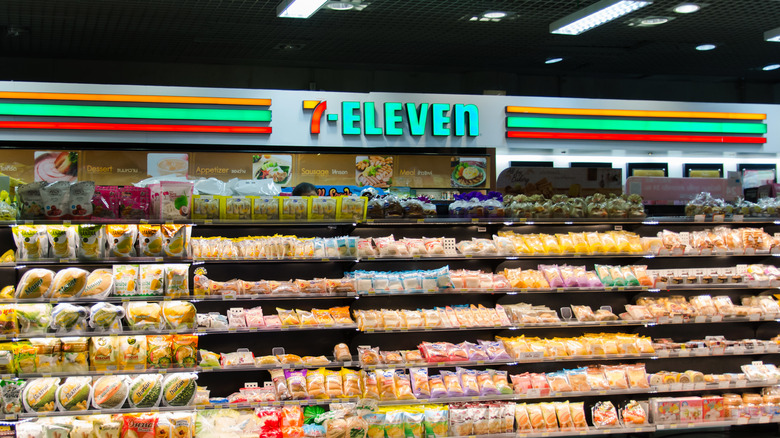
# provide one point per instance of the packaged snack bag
(121, 240)
(103, 352)
(62, 241)
(81, 199)
(132, 352)
(91, 241)
(265, 208)
(175, 240)
(150, 240)
(159, 353)
(30, 200)
(207, 206)
(134, 202)
(185, 350)
(152, 280)
(142, 315)
(177, 280)
(126, 280)
(105, 202)
(31, 241)
(55, 198)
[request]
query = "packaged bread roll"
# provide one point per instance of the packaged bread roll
(100, 284)
(68, 283)
(35, 283)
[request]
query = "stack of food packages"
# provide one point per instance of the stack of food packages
(599, 206)
(439, 317)
(238, 317)
(429, 280)
(591, 344)
(755, 275)
(272, 247)
(84, 393)
(610, 242)
(734, 407)
(717, 240)
(700, 305)
(170, 280)
(205, 286)
(704, 203)
(97, 241)
(160, 425)
(559, 276)
(272, 208)
(31, 319)
(632, 413)
(100, 353)
(391, 207)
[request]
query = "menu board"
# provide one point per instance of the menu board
(113, 168)
(118, 167)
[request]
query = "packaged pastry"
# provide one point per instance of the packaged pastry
(62, 241)
(296, 384)
(177, 280)
(578, 415)
(633, 414)
(179, 314)
(126, 280)
(132, 352)
(265, 208)
(106, 317)
(333, 384)
(121, 240)
(536, 417)
(100, 284)
(31, 241)
(563, 413)
(143, 315)
(341, 353)
(521, 418)
(605, 415)
(35, 283)
(386, 384)
(351, 383)
(549, 415)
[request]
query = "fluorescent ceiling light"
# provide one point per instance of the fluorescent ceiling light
(653, 21)
(340, 6)
(771, 67)
(772, 35)
(494, 14)
(595, 15)
(298, 8)
(705, 47)
(686, 8)
(553, 60)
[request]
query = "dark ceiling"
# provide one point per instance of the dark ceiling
(399, 34)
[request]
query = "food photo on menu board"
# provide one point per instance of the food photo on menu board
(275, 167)
(53, 166)
(468, 171)
(167, 164)
(374, 171)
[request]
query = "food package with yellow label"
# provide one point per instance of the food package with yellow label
(25, 357)
(132, 352)
(265, 208)
(100, 284)
(150, 240)
(7, 358)
(47, 351)
(179, 314)
(152, 280)
(90, 241)
(8, 323)
(177, 280)
(126, 280)
(103, 352)
(182, 425)
(185, 350)
(207, 206)
(352, 208)
(39, 395)
(35, 283)
(62, 241)
(75, 352)
(323, 207)
(159, 353)
(175, 239)
(142, 315)
(121, 240)
(238, 208)
(31, 241)
(295, 208)
(68, 283)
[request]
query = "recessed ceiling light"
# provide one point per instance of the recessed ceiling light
(687, 8)
(654, 21)
(494, 14)
(553, 60)
(298, 8)
(705, 47)
(771, 67)
(339, 6)
(772, 35)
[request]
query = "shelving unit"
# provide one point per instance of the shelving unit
(314, 341)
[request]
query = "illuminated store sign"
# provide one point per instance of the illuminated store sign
(396, 118)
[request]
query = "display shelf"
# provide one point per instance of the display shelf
(718, 424)
(191, 298)
(197, 331)
(663, 354)
(586, 432)
(628, 289)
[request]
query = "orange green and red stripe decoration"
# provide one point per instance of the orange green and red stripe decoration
(634, 125)
(220, 115)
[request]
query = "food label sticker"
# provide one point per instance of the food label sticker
(754, 317)
(738, 218)
(684, 353)
(663, 353)
(724, 384)
(698, 218)
(717, 318)
(688, 386)
(763, 419)
(718, 218)
(533, 392)
(700, 385)
(700, 319)
(677, 319)
(229, 297)
(741, 383)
